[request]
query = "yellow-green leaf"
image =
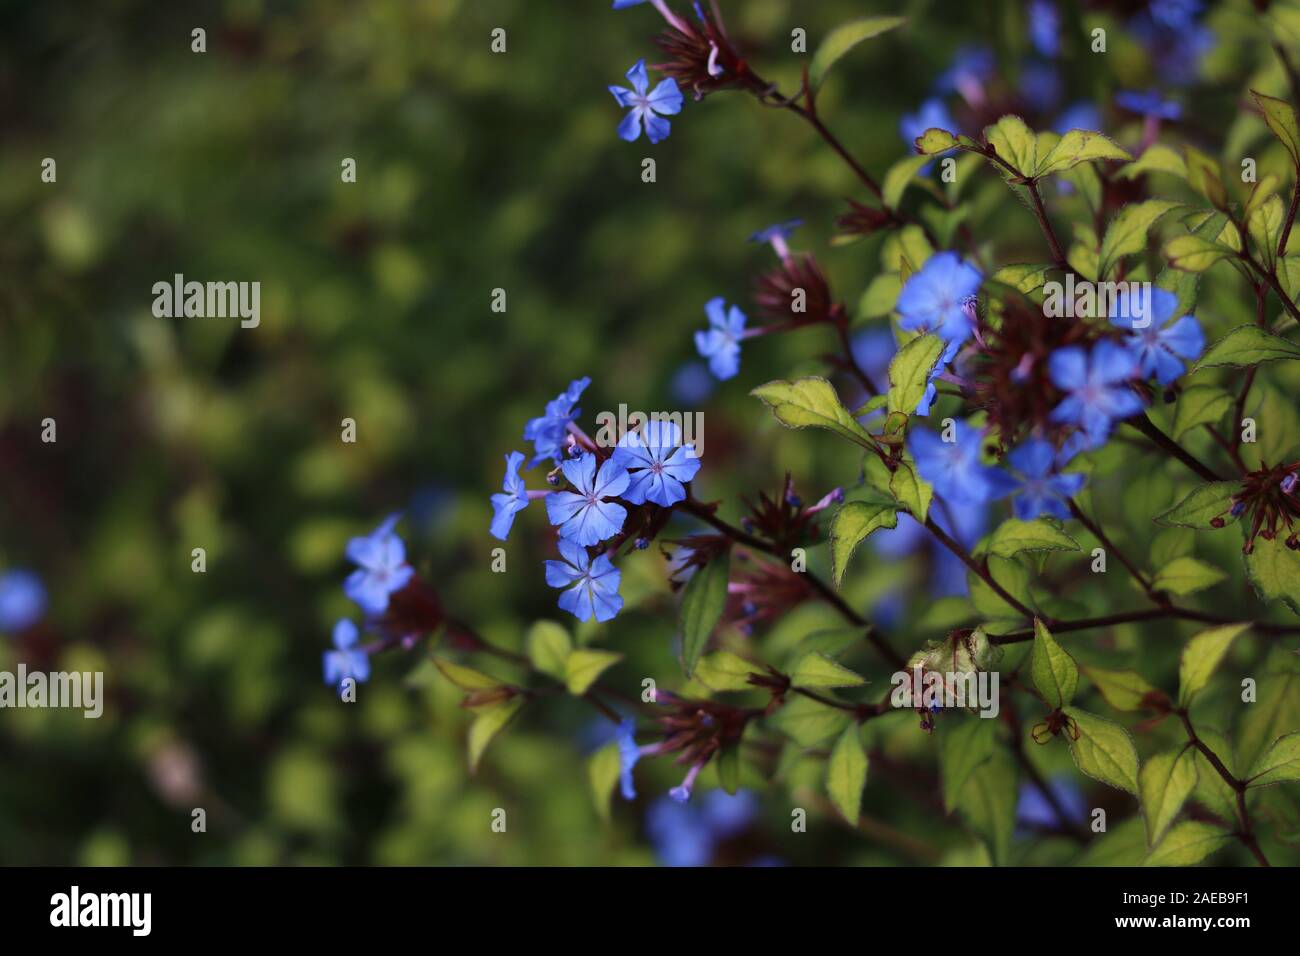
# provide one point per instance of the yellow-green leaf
(1280, 762)
(843, 39)
(911, 490)
(817, 670)
(1123, 690)
(935, 140)
(548, 646)
(584, 666)
(846, 773)
(1201, 656)
(1054, 671)
(466, 678)
(1274, 571)
(851, 525)
(1210, 501)
(1281, 119)
(1187, 575)
(1014, 536)
(1201, 405)
(909, 372)
(966, 743)
(812, 403)
(896, 179)
(1103, 750)
(1164, 784)
(723, 671)
(1127, 233)
(1188, 844)
(1156, 158)
(488, 722)
(603, 771)
(1079, 146)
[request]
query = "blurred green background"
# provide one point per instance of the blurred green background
(476, 171)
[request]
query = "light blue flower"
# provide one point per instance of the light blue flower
(1045, 27)
(549, 432)
(346, 660)
(1098, 393)
(514, 499)
(972, 67)
(658, 463)
(584, 516)
(647, 109)
(1149, 103)
(1161, 345)
(1080, 115)
(1041, 489)
(382, 568)
(936, 298)
(1033, 809)
(592, 586)
(720, 343)
(628, 755)
(22, 600)
(954, 468)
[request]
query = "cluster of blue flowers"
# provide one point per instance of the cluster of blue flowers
(647, 466)
(22, 600)
(381, 571)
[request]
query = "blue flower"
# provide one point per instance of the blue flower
(549, 432)
(1174, 41)
(628, 755)
(935, 298)
(514, 500)
(927, 399)
(1149, 103)
(592, 586)
(584, 517)
(648, 109)
(1175, 14)
(1080, 115)
(689, 834)
(720, 343)
(1097, 387)
(954, 467)
(347, 660)
(623, 4)
(780, 230)
(22, 600)
(1042, 490)
(1045, 27)
(972, 67)
(932, 114)
(691, 384)
(1040, 85)
(382, 568)
(1159, 345)
(1033, 810)
(659, 465)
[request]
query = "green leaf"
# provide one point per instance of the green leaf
(1127, 233)
(1104, 751)
(1187, 575)
(728, 762)
(723, 671)
(935, 140)
(1015, 143)
(881, 295)
(1276, 710)
(603, 770)
(1079, 146)
(1212, 791)
(466, 678)
(1124, 844)
(488, 722)
(1274, 571)
(1209, 501)
(1201, 656)
(817, 670)
(1054, 671)
(846, 773)
(850, 527)
(1156, 158)
(1014, 536)
(1281, 119)
(548, 646)
(1195, 254)
(1123, 690)
(1264, 223)
(1248, 345)
(1280, 762)
(896, 179)
(911, 490)
(1188, 844)
(966, 744)
(909, 372)
(812, 403)
(702, 605)
(843, 39)
(584, 666)
(1203, 175)
(988, 802)
(1201, 405)
(807, 722)
(1164, 784)
(1023, 277)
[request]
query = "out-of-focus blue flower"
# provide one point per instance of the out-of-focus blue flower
(720, 343)
(548, 432)
(1081, 115)
(780, 230)
(1040, 85)
(585, 517)
(932, 115)
(689, 834)
(1174, 41)
(965, 522)
(648, 109)
(1161, 345)
(936, 298)
(658, 463)
(1042, 489)
(971, 68)
(592, 586)
(381, 568)
(628, 755)
(954, 467)
(873, 350)
(1149, 103)
(1045, 27)
(346, 660)
(622, 4)
(507, 504)
(1097, 385)
(691, 384)
(1033, 810)
(22, 600)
